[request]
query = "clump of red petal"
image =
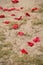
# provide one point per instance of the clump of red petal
(6, 22)
(37, 39)
(24, 51)
(27, 14)
(31, 44)
(20, 33)
(15, 1)
(2, 16)
(15, 26)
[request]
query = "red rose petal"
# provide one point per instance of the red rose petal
(30, 44)
(15, 26)
(37, 39)
(27, 14)
(6, 22)
(20, 33)
(5, 9)
(24, 51)
(18, 18)
(1, 8)
(34, 9)
(21, 7)
(2, 16)
(11, 9)
(15, 1)
(12, 14)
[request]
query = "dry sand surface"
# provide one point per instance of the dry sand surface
(24, 45)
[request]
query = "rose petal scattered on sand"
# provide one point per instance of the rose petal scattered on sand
(21, 7)
(20, 33)
(5, 9)
(30, 44)
(12, 14)
(15, 26)
(1, 8)
(2, 16)
(37, 39)
(6, 22)
(11, 9)
(34, 9)
(27, 14)
(18, 18)
(24, 51)
(15, 1)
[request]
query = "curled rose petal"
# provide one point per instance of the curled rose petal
(18, 18)
(37, 39)
(20, 33)
(30, 44)
(15, 26)
(15, 1)
(6, 22)
(34, 9)
(24, 51)
(27, 14)
(12, 14)
(2, 16)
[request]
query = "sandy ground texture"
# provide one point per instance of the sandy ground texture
(21, 32)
